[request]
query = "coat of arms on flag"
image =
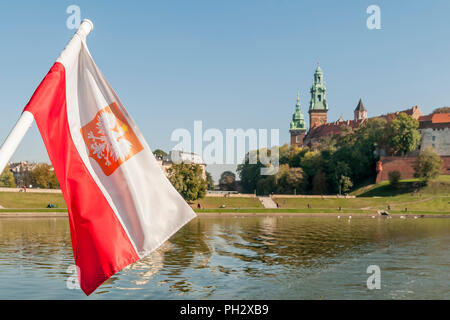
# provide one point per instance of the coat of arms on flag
(110, 139)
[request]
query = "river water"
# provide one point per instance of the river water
(243, 258)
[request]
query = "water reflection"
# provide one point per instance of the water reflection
(227, 258)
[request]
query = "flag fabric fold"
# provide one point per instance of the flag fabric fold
(121, 206)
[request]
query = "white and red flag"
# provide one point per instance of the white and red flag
(121, 206)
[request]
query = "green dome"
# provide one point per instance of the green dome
(298, 119)
(319, 70)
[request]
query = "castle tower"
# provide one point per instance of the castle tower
(297, 128)
(360, 112)
(318, 107)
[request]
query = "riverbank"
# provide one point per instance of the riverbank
(409, 198)
(252, 213)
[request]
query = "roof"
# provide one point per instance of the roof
(441, 118)
(426, 118)
(360, 106)
(413, 112)
(435, 120)
(332, 128)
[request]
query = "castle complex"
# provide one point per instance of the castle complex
(318, 108)
(435, 128)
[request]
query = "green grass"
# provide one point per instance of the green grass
(313, 211)
(439, 186)
(416, 202)
(435, 197)
(229, 202)
(34, 210)
(31, 200)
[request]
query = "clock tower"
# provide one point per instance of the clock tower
(318, 107)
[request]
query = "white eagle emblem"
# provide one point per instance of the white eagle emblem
(110, 143)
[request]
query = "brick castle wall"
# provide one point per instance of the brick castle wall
(405, 165)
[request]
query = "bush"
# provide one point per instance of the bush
(43, 176)
(394, 177)
(7, 178)
(428, 165)
(188, 180)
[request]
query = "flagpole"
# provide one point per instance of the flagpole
(26, 119)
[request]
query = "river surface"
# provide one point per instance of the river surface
(243, 258)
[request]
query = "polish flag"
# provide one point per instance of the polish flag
(121, 206)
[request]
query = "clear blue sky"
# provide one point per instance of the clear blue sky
(232, 64)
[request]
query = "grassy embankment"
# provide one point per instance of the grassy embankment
(431, 199)
(31, 202)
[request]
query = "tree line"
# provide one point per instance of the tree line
(339, 163)
(41, 176)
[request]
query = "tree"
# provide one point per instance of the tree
(372, 135)
(442, 110)
(295, 156)
(44, 176)
(7, 178)
(266, 185)
(345, 184)
(404, 135)
(188, 180)
(159, 153)
(311, 163)
(289, 180)
(227, 181)
(428, 165)
(394, 178)
(250, 174)
(319, 185)
(209, 181)
(339, 173)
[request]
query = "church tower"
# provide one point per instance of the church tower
(318, 106)
(297, 128)
(360, 111)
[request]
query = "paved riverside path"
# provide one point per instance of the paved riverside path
(267, 202)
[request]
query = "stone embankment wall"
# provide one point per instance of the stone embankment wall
(30, 190)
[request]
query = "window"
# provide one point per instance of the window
(297, 139)
(320, 97)
(434, 138)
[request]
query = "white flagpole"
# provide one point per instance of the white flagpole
(26, 119)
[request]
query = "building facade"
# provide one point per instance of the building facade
(435, 131)
(181, 156)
